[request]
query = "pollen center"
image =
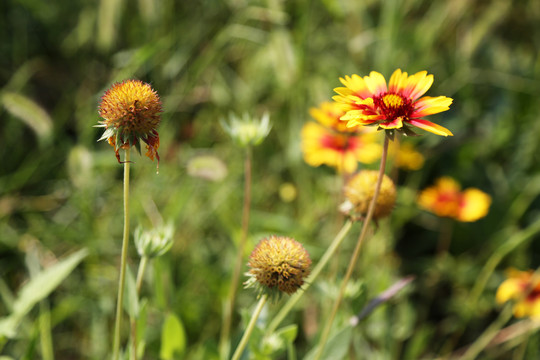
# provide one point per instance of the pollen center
(393, 106)
(392, 101)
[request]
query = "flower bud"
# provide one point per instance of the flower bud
(247, 130)
(154, 242)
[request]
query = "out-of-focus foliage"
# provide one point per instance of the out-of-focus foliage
(61, 191)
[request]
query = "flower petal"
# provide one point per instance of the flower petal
(357, 85)
(417, 85)
(431, 105)
(397, 82)
(474, 205)
(375, 83)
(397, 123)
(431, 127)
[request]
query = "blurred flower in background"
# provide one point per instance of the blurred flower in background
(360, 189)
(247, 130)
(132, 112)
(154, 242)
(331, 143)
(405, 156)
(446, 199)
(524, 288)
(368, 101)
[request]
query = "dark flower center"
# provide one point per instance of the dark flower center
(393, 106)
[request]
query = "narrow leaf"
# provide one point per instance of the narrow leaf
(38, 288)
(29, 112)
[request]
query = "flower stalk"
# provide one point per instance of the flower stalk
(352, 263)
(123, 259)
(247, 334)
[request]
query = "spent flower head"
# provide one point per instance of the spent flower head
(446, 199)
(524, 288)
(131, 112)
(247, 130)
(396, 107)
(278, 264)
(359, 192)
(155, 241)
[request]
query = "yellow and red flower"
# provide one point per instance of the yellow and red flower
(446, 199)
(132, 112)
(524, 288)
(331, 143)
(368, 101)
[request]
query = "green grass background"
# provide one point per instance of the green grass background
(61, 191)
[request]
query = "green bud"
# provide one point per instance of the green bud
(154, 242)
(247, 130)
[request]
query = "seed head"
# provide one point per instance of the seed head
(278, 264)
(131, 111)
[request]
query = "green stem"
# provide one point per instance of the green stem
(138, 284)
(243, 342)
(224, 343)
(287, 307)
(140, 273)
(352, 263)
(123, 260)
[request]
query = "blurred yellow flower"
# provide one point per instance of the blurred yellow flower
(360, 189)
(368, 101)
(329, 142)
(405, 156)
(446, 199)
(278, 264)
(524, 288)
(131, 111)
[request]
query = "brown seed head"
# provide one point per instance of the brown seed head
(279, 262)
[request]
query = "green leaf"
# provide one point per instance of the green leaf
(288, 333)
(38, 288)
(29, 112)
(337, 346)
(173, 338)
